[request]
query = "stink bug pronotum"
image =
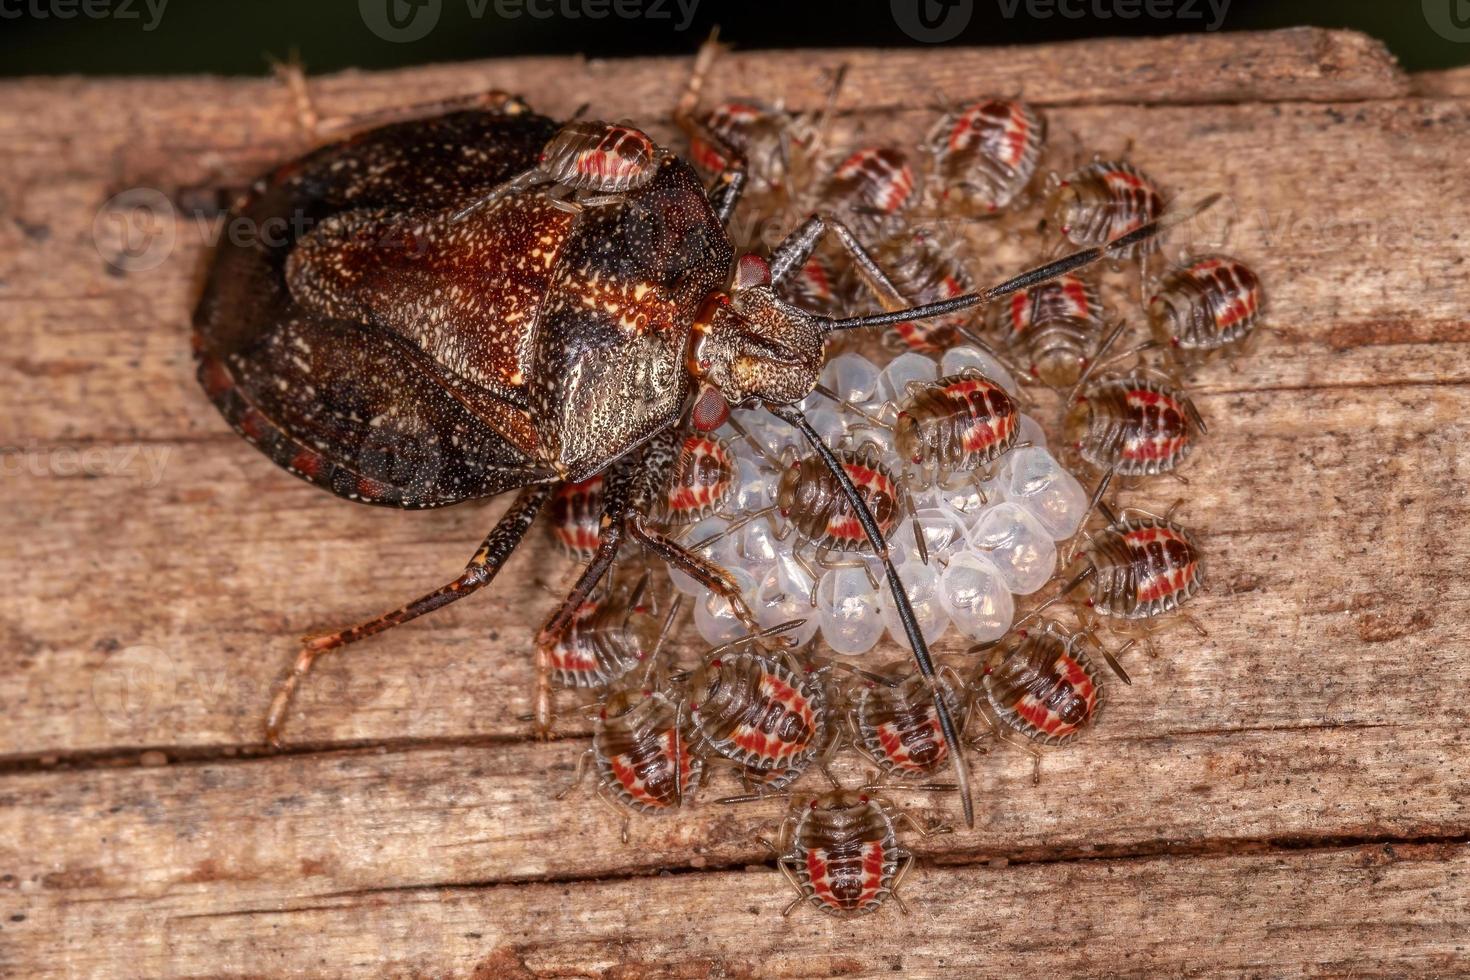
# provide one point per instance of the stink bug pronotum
(486, 300)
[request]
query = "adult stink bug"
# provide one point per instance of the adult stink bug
(486, 300)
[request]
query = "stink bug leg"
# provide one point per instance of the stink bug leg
(480, 572)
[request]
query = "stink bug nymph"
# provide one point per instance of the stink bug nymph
(642, 754)
(840, 852)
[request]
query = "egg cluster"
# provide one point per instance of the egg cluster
(986, 540)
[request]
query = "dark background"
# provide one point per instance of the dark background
(241, 36)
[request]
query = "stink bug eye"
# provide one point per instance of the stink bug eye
(710, 410)
(751, 271)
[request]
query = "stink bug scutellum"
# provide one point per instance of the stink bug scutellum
(505, 303)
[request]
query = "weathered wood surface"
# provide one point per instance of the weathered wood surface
(1284, 797)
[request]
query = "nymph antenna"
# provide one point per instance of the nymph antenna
(1025, 280)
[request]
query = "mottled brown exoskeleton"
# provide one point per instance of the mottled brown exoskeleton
(487, 300)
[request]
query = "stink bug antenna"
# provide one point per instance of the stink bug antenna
(766, 633)
(793, 415)
(1113, 249)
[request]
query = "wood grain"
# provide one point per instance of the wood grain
(1284, 797)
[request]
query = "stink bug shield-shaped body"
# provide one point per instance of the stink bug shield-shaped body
(1133, 426)
(895, 724)
(840, 852)
(513, 318)
(757, 711)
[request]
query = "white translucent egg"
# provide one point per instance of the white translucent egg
(921, 584)
(943, 530)
(755, 544)
(784, 594)
(893, 381)
(829, 420)
(755, 485)
(1031, 431)
(713, 617)
(966, 501)
(976, 597)
(847, 604)
(1037, 482)
(1018, 545)
(956, 359)
(852, 376)
(720, 551)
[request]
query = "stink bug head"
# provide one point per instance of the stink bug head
(840, 800)
(751, 346)
(1065, 207)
